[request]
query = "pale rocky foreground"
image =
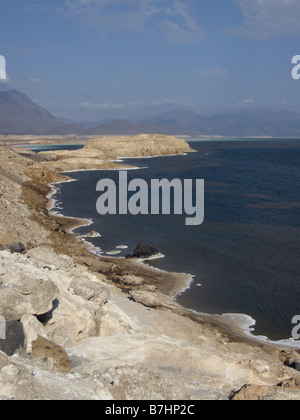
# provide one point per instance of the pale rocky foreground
(86, 338)
(119, 349)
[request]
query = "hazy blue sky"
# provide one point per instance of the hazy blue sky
(96, 59)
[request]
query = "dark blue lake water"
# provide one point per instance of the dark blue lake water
(245, 255)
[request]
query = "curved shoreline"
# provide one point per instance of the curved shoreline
(240, 324)
(130, 340)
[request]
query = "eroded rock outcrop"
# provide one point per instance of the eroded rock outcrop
(51, 296)
(32, 296)
(100, 153)
(143, 145)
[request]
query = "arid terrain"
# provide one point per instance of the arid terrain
(84, 327)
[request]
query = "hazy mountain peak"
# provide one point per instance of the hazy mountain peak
(20, 115)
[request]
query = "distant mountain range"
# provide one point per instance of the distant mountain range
(20, 115)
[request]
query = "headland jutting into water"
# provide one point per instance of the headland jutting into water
(104, 328)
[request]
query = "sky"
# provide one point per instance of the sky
(94, 60)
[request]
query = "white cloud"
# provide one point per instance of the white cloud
(109, 15)
(264, 19)
(164, 101)
(183, 29)
(176, 34)
(249, 101)
(169, 20)
(104, 105)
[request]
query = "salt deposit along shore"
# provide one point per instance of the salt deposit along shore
(103, 328)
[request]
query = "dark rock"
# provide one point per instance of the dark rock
(293, 363)
(45, 318)
(145, 251)
(16, 248)
(1, 248)
(291, 383)
(15, 338)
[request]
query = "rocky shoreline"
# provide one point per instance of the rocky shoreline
(103, 328)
